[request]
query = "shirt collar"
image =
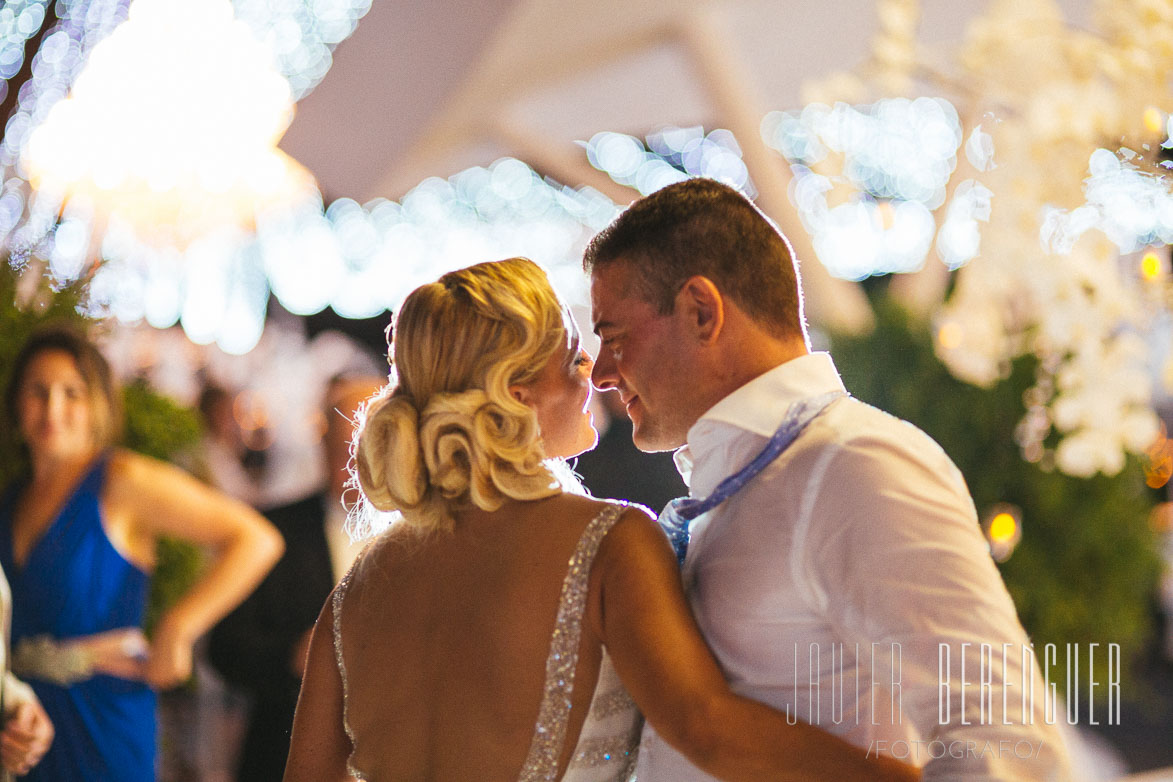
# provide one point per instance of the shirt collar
(757, 407)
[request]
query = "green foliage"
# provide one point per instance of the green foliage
(1086, 570)
(155, 425)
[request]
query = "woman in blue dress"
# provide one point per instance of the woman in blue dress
(78, 536)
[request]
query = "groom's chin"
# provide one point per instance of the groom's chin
(649, 440)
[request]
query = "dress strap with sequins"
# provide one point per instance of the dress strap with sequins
(608, 740)
(339, 596)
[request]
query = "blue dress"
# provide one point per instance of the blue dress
(75, 583)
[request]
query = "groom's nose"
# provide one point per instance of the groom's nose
(604, 375)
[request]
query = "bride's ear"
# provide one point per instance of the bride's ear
(522, 394)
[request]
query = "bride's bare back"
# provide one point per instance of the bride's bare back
(446, 639)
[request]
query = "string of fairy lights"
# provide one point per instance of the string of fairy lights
(359, 259)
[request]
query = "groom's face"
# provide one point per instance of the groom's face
(642, 357)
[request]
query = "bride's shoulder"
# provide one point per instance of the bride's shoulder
(630, 528)
(588, 508)
(384, 550)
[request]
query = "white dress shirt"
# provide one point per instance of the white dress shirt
(827, 584)
(13, 691)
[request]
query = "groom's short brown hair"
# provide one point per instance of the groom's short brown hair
(702, 227)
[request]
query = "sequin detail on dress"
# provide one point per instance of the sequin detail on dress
(614, 702)
(546, 748)
(598, 752)
(339, 594)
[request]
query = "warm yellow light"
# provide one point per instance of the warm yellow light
(1003, 528)
(1161, 518)
(1158, 466)
(1158, 474)
(172, 125)
(950, 335)
(1150, 266)
(1154, 119)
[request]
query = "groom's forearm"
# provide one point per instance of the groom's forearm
(740, 739)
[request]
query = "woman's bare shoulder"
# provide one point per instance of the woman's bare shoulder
(634, 536)
(125, 464)
(389, 551)
(394, 542)
(134, 478)
(138, 472)
(592, 506)
(636, 525)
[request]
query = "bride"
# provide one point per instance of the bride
(507, 627)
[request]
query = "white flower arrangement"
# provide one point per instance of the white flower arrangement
(1056, 268)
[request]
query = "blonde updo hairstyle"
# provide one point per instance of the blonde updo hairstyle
(446, 434)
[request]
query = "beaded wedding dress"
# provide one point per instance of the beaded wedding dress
(607, 743)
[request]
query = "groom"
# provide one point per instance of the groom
(841, 575)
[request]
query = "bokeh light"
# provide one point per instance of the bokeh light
(183, 145)
(176, 142)
(360, 260)
(950, 335)
(1158, 461)
(670, 155)
(1150, 266)
(874, 213)
(1154, 119)
(1002, 527)
(302, 34)
(1133, 207)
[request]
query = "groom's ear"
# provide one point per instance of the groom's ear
(703, 308)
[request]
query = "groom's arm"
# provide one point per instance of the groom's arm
(896, 557)
(644, 621)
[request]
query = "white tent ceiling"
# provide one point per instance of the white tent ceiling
(429, 87)
(424, 87)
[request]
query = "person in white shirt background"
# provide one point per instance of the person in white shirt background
(27, 730)
(261, 646)
(844, 579)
